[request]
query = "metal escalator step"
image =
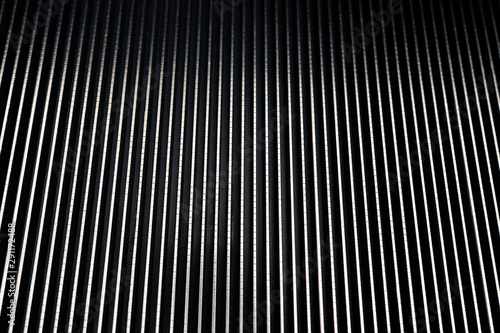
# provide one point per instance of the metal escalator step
(249, 165)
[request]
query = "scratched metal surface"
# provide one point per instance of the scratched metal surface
(249, 165)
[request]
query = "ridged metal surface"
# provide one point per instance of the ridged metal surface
(249, 165)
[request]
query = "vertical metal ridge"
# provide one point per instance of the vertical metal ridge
(141, 171)
(301, 110)
(327, 167)
(181, 166)
(315, 173)
(255, 287)
(364, 196)
(179, 185)
(158, 124)
(351, 183)
(135, 103)
(375, 178)
(338, 156)
(229, 230)
(242, 183)
(96, 218)
(191, 207)
(168, 154)
(205, 174)
(217, 177)
(292, 170)
(267, 174)
(114, 172)
(280, 199)
(171, 120)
